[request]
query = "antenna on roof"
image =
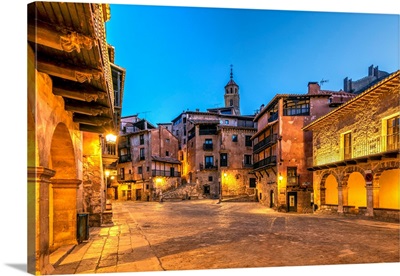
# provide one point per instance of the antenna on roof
(323, 81)
(231, 71)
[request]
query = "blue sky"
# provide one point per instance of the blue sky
(178, 58)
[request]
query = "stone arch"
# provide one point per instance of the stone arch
(387, 183)
(62, 156)
(63, 192)
(356, 188)
(324, 193)
(348, 171)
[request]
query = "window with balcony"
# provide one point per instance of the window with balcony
(393, 133)
(223, 159)
(347, 145)
(209, 162)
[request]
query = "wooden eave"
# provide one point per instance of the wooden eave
(361, 101)
(69, 43)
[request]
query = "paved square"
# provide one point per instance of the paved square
(201, 234)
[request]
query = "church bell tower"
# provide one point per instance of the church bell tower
(232, 95)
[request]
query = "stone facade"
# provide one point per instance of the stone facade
(64, 161)
(215, 148)
(148, 164)
(356, 154)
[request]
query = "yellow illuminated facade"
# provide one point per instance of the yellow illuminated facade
(355, 160)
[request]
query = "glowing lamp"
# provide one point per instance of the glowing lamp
(111, 138)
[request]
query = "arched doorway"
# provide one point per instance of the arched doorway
(389, 189)
(331, 190)
(63, 192)
(357, 194)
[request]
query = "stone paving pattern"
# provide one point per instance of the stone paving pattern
(201, 234)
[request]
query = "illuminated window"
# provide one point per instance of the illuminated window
(347, 145)
(393, 133)
(122, 173)
(292, 176)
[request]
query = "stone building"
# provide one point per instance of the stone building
(215, 149)
(355, 161)
(356, 87)
(71, 107)
(280, 147)
(148, 164)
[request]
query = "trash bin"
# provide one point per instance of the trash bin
(82, 227)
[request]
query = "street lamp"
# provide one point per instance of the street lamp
(111, 138)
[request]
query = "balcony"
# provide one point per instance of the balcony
(273, 117)
(125, 158)
(372, 149)
(208, 166)
(168, 173)
(208, 146)
(266, 142)
(265, 163)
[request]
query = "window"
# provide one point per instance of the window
(247, 160)
(393, 133)
(231, 102)
(291, 176)
(141, 139)
(167, 141)
(226, 122)
(210, 178)
(166, 153)
(253, 183)
(140, 170)
(142, 154)
(223, 159)
(209, 162)
(130, 171)
(234, 138)
(347, 145)
(172, 171)
(248, 141)
(122, 173)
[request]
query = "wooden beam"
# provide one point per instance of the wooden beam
(65, 40)
(68, 72)
(86, 109)
(86, 95)
(91, 120)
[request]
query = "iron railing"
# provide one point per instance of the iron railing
(267, 162)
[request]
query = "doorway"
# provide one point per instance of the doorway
(139, 194)
(292, 201)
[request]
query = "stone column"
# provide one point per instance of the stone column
(370, 200)
(38, 220)
(64, 211)
(343, 198)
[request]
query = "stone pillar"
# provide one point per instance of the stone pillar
(370, 200)
(64, 211)
(38, 220)
(342, 198)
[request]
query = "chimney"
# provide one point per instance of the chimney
(313, 88)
